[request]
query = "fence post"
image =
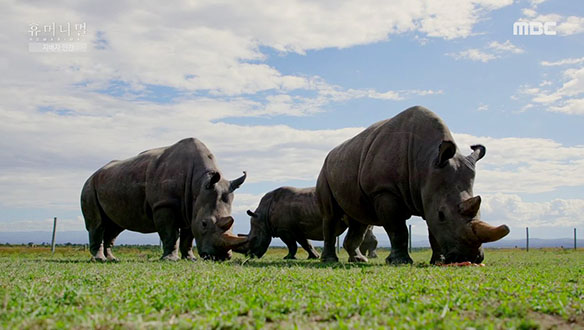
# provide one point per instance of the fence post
(54, 232)
(527, 238)
(575, 245)
(338, 245)
(410, 239)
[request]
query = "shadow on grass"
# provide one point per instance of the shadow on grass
(314, 264)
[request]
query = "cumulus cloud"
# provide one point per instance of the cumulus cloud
(568, 97)
(491, 51)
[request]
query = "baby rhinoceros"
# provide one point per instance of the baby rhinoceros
(292, 214)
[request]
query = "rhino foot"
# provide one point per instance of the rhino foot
(313, 256)
(398, 260)
(97, 259)
(189, 258)
(113, 259)
(329, 259)
(358, 258)
(170, 257)
(290, 257)
(372, 255)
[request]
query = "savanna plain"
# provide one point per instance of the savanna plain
(515, 289)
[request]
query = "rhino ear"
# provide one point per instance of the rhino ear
(251, 214)
(225, 223)
(214, 177)
(470, 207)
(446, 151)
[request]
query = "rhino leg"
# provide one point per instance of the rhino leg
(186, 244)
(398, 236)
(312, 253)
(353, 239)
(331, 216)
(111, 231)
(292, 246)
(437, 256)
(164, 220)
(95, 244)
(392, 214)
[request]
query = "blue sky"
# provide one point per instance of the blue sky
(272, 87)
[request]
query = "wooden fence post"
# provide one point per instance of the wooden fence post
(410, 239)
(527, 238)
(575, 245)
(54, 234)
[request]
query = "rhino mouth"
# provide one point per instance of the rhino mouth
(214, 257)
(453, 257)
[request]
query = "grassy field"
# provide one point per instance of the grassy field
(516, 289)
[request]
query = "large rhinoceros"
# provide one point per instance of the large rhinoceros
(403, 166)
(291, 214)
(175, 191)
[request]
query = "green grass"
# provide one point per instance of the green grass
(516, 289)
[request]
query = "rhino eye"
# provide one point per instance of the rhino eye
(441, 216)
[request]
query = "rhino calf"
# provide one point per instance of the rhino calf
(176, 191)
(291, 214)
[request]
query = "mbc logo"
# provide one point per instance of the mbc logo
(534, 28)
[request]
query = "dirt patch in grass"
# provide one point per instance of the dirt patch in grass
(547, 321)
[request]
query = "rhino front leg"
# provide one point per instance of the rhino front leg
(164, 220)
(186, 244)
(353, 239)
(437, 256)
(292, 247)
(390, 212)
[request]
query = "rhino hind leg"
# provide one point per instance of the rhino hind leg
(111, 232)
(164, 220)
(312, 253)
(354, 239)
(96, 244)
(331, 216)
(186, 244)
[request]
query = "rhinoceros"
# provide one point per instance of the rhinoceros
(291, 214)
(175, 191)
(403, 166)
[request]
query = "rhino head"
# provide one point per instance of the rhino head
(450, 209)
(212, 219)
(259, 237)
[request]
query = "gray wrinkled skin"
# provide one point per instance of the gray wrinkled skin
(403, 166)
(176, 191)
(291, 214)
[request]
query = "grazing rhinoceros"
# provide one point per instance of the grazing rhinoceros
(175, 191)
(399, 167)
(291, 214)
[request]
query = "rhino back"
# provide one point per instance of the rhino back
(389, 156)
(295, 210)
(130, 190)
(120, 190)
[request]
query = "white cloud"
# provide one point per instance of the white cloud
(567, 61)
(506, 47)
(512, 210)
(473, 54)
(490, 52)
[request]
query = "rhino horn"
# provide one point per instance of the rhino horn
(487, 233)
(479, 151)
(237, 182)
(470, 207)
(231, 241)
